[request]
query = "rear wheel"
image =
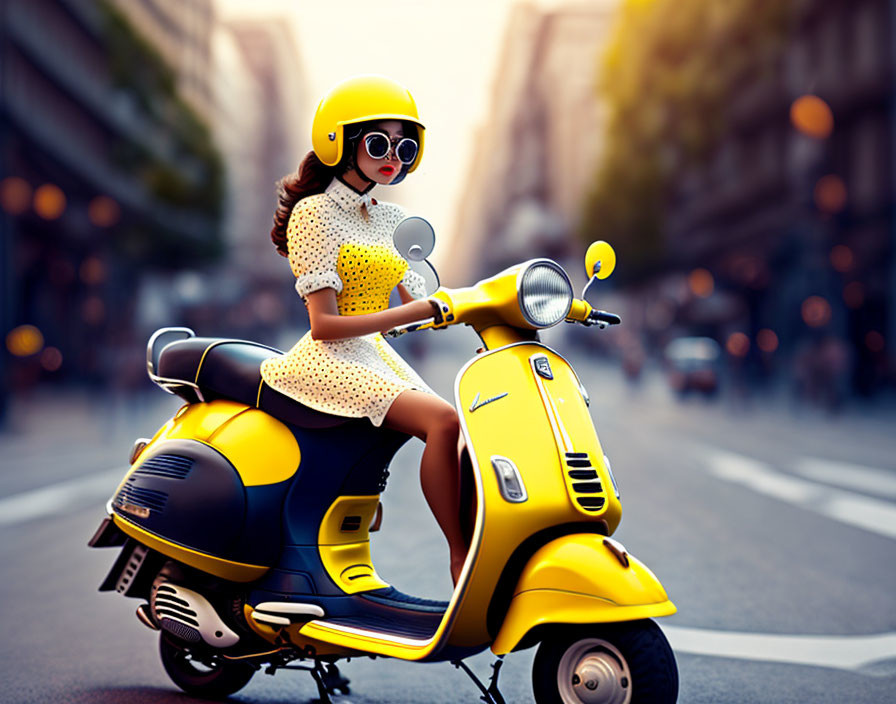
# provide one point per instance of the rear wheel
(625, 663)
(201, 673)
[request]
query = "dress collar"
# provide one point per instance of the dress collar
(347, 197)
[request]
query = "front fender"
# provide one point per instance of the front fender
(580, 578)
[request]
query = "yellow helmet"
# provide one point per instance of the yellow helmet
(360, 99)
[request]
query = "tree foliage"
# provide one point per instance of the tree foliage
(670, 70)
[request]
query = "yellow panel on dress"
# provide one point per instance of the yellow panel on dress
(369, 273)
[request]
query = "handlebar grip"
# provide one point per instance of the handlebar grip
(410, 327)
(602, 316)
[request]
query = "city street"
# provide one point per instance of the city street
(773, 533)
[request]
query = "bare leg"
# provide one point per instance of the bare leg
(434, 421)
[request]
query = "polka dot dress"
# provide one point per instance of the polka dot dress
(342, 240)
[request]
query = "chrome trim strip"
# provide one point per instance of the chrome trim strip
(385, 637)
(560, 434)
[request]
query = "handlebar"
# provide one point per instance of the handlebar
(602, 318)
(442, 316)
(582, 312)
(400, 330)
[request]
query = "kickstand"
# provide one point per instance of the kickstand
(491, 695)
(318, 673)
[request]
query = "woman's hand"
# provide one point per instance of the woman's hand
(327, 324)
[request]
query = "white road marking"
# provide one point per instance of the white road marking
(59, 497)
(842, 652)
(849, 475)
(864, 512)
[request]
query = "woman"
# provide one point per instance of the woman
(338, 240)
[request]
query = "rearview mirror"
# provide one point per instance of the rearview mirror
(600, 260)
(414, 238)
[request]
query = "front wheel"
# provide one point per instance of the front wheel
(615, 663)
(203, 674)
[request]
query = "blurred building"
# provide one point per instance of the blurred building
(541, 140)
(268, 126)
(105, 172)
(262, 127)
(793, 214)
(181, 31)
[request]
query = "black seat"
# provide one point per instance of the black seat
(230, 369)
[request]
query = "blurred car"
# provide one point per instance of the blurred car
(692, 363)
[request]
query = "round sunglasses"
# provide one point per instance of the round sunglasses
(379, 144)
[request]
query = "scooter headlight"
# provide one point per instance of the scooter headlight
(545, 293)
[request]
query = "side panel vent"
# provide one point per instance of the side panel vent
(582, 478)
(167, 604)
(591, 503)
(191, 635)
(190, 616)
(350, 524)
(170, 466)
(145, 498)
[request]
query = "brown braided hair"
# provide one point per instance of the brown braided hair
(312, 176)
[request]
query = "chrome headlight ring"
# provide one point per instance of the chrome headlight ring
(544, 293)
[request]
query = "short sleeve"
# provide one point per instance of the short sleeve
(312, 238)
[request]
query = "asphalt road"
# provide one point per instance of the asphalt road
(774, 535)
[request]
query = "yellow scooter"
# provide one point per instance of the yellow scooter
(245, 521)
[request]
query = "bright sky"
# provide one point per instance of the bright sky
(443, 52)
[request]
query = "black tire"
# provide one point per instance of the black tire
(633, 661)
(202, 674)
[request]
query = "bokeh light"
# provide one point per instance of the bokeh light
(93, 271)
(812, 116)
(738, 344)
(854, 294)
(24, 341)
(103, 211)
(51, 359)
(830, 194)
(701, 283)
(842, 258)
(49, 201)
(874, 341)
(767, 340)
(816, 311)
(15, 195)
